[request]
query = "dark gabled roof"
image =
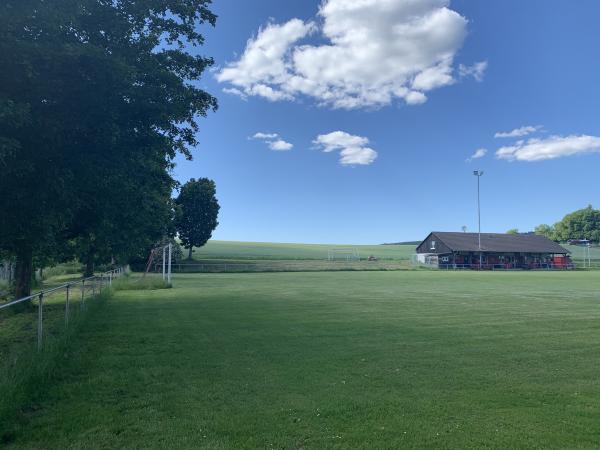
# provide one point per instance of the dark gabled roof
(496, 242)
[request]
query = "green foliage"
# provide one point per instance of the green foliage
(581, 224)
(96, 100)
(176, 250)
(546, 230)
(68, 268)
(513, 231)
(197, 212)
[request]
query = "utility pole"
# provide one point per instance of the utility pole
(479, 174)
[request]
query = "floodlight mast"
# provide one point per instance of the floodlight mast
(479, 174)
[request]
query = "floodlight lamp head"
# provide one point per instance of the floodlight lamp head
(478, 173)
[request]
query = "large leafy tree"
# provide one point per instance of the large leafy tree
(580, 224)
(197, 212)
(96, 99)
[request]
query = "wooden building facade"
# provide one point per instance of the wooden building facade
(448, 250)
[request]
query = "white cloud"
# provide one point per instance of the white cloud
(280, 145)
(373, 52)
(273, 141)
(549, 148)
(479, 153)
(263, 62)
(518, 132)
(235, 91)
(353, 149)
(265, 136)
(476, 70)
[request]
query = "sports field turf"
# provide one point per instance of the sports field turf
(276, 251)
(343, 360)
(268, 256)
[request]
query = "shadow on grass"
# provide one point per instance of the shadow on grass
(141, 284)
(27, 374)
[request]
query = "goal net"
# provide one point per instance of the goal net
(343, 254)
(161, 257)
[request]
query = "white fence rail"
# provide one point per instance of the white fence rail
(85, 287)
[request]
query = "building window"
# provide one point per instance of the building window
(432, 245)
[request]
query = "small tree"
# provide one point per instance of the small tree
(513, 231)
(197, 212)
(546, 230)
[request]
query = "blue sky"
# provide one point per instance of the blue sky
(397, 165)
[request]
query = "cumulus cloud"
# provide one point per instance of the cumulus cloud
(479, 153)
(372, 52)
(476, 71)
(353, 149)
(550, 148)
(280, 145)
(265, 136)
(518, 132)
(273, 141)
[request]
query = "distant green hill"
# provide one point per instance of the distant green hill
(281, 251)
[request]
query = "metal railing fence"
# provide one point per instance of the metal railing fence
(484, 266)
(281, 266)
(85, 287)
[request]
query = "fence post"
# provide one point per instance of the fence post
(82, 294)
(110, 278)
(67, 307)
(164, 262)
(40, 321)
(170, 253)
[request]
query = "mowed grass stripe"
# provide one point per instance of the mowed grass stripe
(335, 360)
(288, 251)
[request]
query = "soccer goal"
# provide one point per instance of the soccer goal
(161, 256)
(343, 254)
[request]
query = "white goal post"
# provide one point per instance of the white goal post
(167, 258)
(343, 253)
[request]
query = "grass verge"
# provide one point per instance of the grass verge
(25, 372)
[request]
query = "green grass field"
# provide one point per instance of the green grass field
(233, 250)
(342, 360)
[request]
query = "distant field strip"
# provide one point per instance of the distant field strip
(259, 251)
(333, 360)
(288, 265)
(232, 252)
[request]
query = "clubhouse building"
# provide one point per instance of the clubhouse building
(447, 250)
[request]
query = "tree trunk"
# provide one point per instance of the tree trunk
(23, 272)
(89, 267)
(89, 263)
(190, 253)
